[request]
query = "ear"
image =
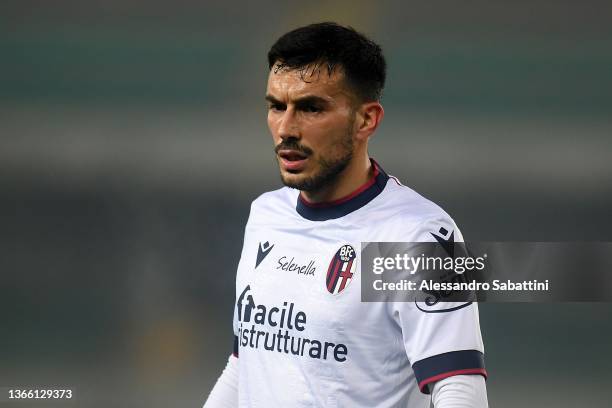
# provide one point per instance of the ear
(369, 115)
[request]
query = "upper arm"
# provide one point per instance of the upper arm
(441, 339)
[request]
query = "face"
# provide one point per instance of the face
(311, 117)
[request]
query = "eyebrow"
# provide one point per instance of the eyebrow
(309, 99)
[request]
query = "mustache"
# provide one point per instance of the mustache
(292, 144)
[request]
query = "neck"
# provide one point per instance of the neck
(355, 175)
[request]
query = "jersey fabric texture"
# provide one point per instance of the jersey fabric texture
(302, 334)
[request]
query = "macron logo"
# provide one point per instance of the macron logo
(447, 241)
(263, 251)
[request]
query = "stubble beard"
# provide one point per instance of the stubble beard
(329, 170)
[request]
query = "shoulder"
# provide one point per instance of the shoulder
(276, 203)
(282, 196)
(404, 202)
(410, 211)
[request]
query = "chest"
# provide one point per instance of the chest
(308, 282)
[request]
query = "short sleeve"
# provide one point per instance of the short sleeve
(443, 340)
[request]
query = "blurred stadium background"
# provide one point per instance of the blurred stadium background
(133, 138)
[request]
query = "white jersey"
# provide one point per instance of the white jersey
(303, 336)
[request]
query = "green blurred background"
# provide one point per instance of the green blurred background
(133, 138)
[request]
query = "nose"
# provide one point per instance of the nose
(289, 126)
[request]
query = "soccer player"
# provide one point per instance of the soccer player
(303, 338)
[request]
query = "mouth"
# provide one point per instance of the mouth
(292, 160)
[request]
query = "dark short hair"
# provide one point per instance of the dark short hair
(331, 44)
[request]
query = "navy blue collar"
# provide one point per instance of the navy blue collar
(346, 205)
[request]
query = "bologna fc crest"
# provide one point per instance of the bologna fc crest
(341, 269)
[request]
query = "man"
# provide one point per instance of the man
(303, 338)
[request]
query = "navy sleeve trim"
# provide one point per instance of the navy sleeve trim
(445, 365)
(235, 352)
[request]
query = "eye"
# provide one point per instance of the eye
(276, 107)
(312, 109)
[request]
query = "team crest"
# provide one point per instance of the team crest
(341, 269)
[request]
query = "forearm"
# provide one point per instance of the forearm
(225, 392)
(460, 391)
